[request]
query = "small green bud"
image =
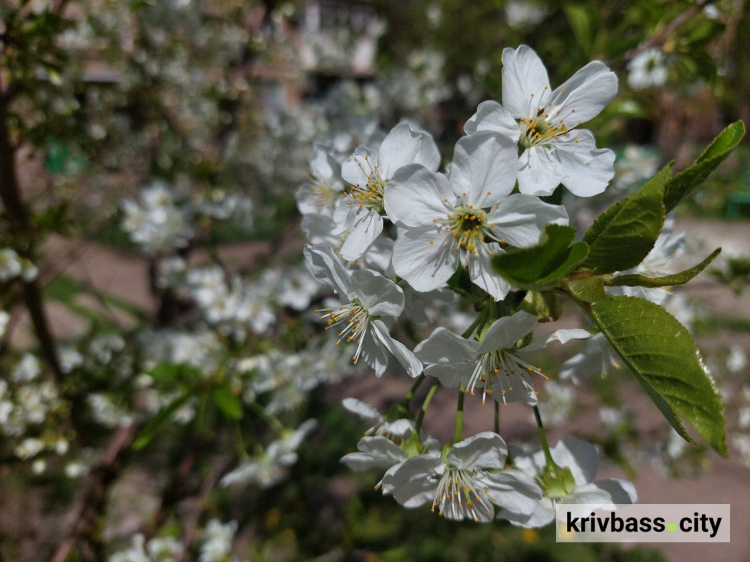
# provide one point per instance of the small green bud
(558, 482)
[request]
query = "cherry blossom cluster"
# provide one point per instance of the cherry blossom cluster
(390, 232)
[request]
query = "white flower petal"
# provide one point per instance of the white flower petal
(521, 219)
(543, 515)
(525, 82)
(362, 409)
(365, 227)
(375, 452)
(326, 267)
(506, 331)
(514, 491)
(425, 257)
(484, 166)
(373, 353)
(401, 429)
(586, 169)
(482, 274)
(415, 196)
(309, 201)
(319, 229)
(451, 375)
(605, 493)
(386, 484)
(519, 394)
(558, 336)
(354, 169)
(428, 155)
(344, 214)
(539, 171)
(527, 460)
(583, 96)
(580, 457)
(322, 165)
(402, 354)
(378, 295)
(445, 347)
(491, 116)
(399, 148)
(483, 450)
(412, 482)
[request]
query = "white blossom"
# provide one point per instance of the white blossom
(582, 459)
(647, 70)
(464, 219)
(217, 541)
(492, 362)
(10, 264)
(157, 223)
(395, 430)
(320, 194)
(599, 357)
(466, 481)
(267, 468)
(360, 213)
(545, 124)
(737, 359)
(368, 300)
(27, 369)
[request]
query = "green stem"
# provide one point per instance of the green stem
(425, 405)
(241, 450)
(543, 438)
(410, 395)
(275, 424)
(497, 416)
(459, 434)
(478, 324)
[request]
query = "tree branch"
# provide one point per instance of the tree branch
(87, 532)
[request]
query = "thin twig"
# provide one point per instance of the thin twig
(86, 532)
(214, 475)
(659, 38)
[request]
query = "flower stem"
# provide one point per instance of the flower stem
(425, 405)
(543, 438)
(478, 324)
(410, 395)
(241, 450)
(275, 424)
(459, 434)
(497, 416)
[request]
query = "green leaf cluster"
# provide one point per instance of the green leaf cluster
(192, 383)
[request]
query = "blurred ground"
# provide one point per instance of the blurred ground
(124, 277)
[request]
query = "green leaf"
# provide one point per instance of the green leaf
(158, 421)
(545, 265)
(666, 281)
(586, 289)
(228, 402)
(580, 22)
(625, 233)
(169, 374)
(687, 181)
(663, 357)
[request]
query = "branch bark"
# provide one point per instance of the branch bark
(87, 532)
(659, 38)
(20, 225)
